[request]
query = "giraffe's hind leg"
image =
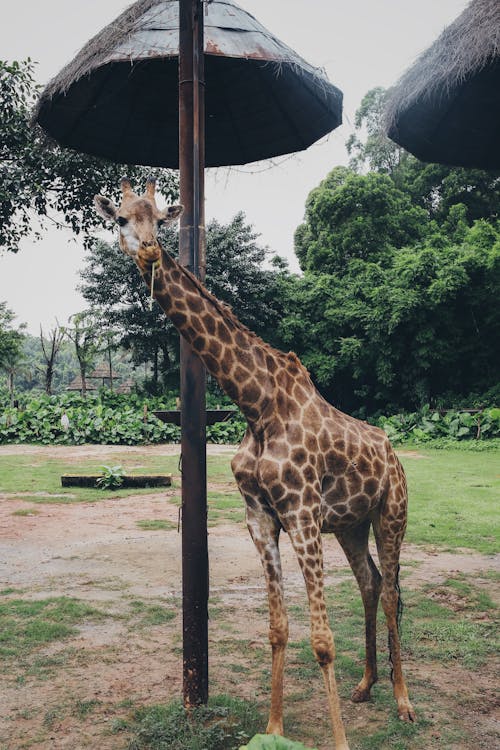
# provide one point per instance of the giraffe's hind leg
(355, 545)
(264, 530)
(389, 526)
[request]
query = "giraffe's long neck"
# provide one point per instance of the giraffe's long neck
(243, 365)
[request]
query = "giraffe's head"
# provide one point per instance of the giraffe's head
(138, 216)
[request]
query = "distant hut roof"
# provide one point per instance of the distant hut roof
(126, 386)
(446, 107)
(76, 385)
(102, 372)
(118, 97)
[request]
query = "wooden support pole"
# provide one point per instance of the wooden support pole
(193, 417)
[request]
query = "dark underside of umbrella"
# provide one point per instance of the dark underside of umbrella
(459, 126)
(254, 110)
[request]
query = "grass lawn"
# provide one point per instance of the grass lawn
(449, 633)
(454, 499)
(453, 493)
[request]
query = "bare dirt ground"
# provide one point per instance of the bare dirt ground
(72, 693)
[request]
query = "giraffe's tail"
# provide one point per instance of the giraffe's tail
(399, 619)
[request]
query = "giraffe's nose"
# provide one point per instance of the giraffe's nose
(147, 244)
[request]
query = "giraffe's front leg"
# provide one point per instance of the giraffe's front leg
(264, 530)
(307, 543)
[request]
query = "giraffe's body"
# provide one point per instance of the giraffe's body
(303, 467)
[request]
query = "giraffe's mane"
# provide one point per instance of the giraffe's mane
(226, 311)
(222, 307)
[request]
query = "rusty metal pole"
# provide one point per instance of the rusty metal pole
(193, 409)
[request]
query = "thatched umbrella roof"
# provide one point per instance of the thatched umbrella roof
(102, 372)
(446, 107)
(77, 385)
(118, 97)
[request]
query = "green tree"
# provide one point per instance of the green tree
(435, 187)
(352, 216)
(11, 341)
(85, 332)
(377, 151)
(50, 345)
(39, 178)
(422, 329)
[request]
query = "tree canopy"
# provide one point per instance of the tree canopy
(39, 178)
(398, 305)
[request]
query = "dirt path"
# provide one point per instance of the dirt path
(72, 693)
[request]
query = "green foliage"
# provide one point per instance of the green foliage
(272, 742)
(34, 169)
(11, 339)
(397, 335)
(222, 725)
(106, 418)
(351, 216)
(427, 425)
(26, 624)
(112, 477)
(399, 302)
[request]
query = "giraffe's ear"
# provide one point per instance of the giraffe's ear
(171, 213)
(105, 208)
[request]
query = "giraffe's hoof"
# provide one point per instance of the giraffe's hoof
(406, 712)
(360, 694)
(275, 728)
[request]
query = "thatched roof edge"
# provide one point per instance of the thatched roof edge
(84, 61)
(465, 47)
(88, 58)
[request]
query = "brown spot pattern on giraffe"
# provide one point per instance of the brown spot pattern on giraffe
(303, 466)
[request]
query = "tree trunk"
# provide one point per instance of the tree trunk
(110, 369)
(84, 381)
(155, 367)
(49, 374)
(10, 382)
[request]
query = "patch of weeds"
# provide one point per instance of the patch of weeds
(474, 598)
(125, 703)
(26, 624)
(225, 506)
(83, 708)
(395, 734)
(239, 668)
(27, 713)
(298, 613)
(43, 667)
(433, 631)
(228, 646)
(120, 725)
(112, 477)
(225, 724)
(156, 524)
(151, 614)
(8, 592)
(25, 512)
(491, 575)
(53, 714)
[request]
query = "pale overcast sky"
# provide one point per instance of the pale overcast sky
(360, 44)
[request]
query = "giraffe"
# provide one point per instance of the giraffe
(303, 467)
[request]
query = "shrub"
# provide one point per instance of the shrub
(272, 742)
(427, 425)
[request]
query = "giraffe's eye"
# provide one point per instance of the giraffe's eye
(121, 220)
